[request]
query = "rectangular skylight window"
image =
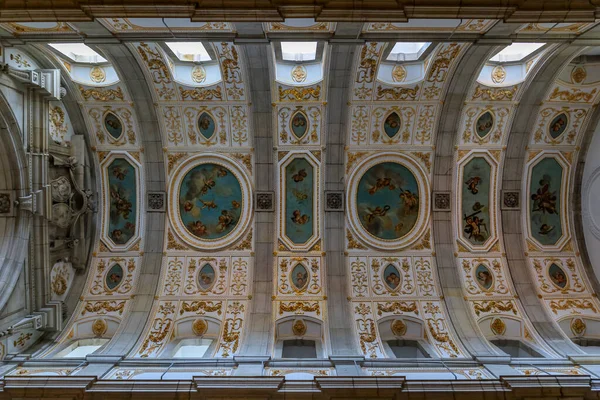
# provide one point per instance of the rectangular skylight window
(299, 51)
(189, 51)
(407, 51)
(78, 52)
(82, 351)
(516, 52)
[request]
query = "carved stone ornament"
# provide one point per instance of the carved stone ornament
(99, 327)
(61, 189)
(156, 201)
(334, 200)
(398, 327)
(299, 328)
(498, 326)
(265, 201)
(199, 327)
(441, 201)
(4, 203)
(511, 200)
(578, 326)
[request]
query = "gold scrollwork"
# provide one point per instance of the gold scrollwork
(398, 307)
(299, 94)
(299, 307)
(102, 94)
(201, 307)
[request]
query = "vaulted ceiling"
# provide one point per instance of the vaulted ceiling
(353, 193)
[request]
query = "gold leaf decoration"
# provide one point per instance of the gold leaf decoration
(99, 327)
(398, 73)
(299, 328)
(498, 326)
(498, 74)
(578, 74)
(578, 326)
(299, 94)
(102, 94)
(198, 74)
(398, 327)
(97, 74)
(299, 73)
(201, 94)
(199, 327)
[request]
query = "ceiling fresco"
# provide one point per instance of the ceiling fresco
(443, 228)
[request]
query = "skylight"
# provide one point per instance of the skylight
(191, 351)
(82, 351)
(78, 52)
(189, 51)
(407, 51)
(516, 52)
(299, 51)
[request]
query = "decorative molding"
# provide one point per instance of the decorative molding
(265, 201)
(511, 200)
(441, 201)
(334, 200)
(156, 201)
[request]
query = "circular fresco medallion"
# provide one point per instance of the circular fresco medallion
(392, 124)
(484, 124)
(299, 124)
(113, 125)
(557, 276)
(558, 125)
(114, 276)
(299, 277)
(484, 277)
(209, 201)
(392, 277)
(206, 277)
(387, 195)
(206, 125)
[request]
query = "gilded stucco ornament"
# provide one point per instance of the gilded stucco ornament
(578, 326)
(399, 73)
(299, 73)
(578, 74)
(198, 74)
(498, 74)
(199, 327)
(498, 326)
(398, 327)
(97, 74)
(299, 328)
(99, 327)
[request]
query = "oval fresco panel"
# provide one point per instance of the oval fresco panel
(392, 124)
(206, 277)
(484, 124)
(299, 124)
(114, 276)
(392, 277)
(388, 200)
(206, 125)
(123, 200)
(557, 276)
(299, 192)
(113, 125)
(484, 277)
(544, 204)
(558, 125)
(476, 200)
(299, 277)
(210, 199)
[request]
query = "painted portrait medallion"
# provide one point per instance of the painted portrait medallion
(299, 206)
(544, 206)
(557, 276)
(210, 198)
(388, 200)
(299, 277)
(392, 277)
(123, 200)
(206, 125)
(558, 125)
(299, 124)
(206, 277)
(113, 125)
(484, 277)
(475, 200)
(392, 124)
(484, 124)
(114, 276)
